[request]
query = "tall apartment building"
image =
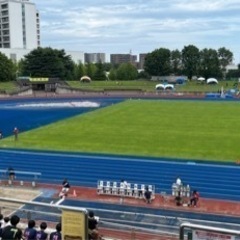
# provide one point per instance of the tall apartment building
(19, 24)
(123, 58)
(142, 60)
(94, 57)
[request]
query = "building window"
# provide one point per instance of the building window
(4, 6)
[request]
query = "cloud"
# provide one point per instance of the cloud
(143, 25)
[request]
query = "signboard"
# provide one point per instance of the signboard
(38, 79)
(74, 225)
(208, 235)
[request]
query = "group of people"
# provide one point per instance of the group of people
(10, 231)
(194, 198)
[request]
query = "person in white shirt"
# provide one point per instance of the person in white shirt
(6, 222)
(179, 181)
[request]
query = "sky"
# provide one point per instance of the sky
(139, 26)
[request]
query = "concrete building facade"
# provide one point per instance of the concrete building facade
(142, 57)
(123, 58)
(95, 57)
(19, 24)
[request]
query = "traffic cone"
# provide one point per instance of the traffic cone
(74, 193)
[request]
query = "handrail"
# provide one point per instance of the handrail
(22, 172)
(205, 228)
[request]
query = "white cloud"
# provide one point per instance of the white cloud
(120, 25)
(206, 5)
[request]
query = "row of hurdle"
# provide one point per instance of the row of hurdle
(124, 189)
(181, 190)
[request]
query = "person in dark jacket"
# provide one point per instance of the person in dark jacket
(147, 195)
(57, 235)
(12, 232)
(30, 232)
(42, 235)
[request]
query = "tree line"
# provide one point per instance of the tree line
(190, 61)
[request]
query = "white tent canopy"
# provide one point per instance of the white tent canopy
(212, 81)
(169, 86)
(85, 78)
(201, 79)
(164, 87)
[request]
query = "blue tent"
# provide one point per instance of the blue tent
(180, 80)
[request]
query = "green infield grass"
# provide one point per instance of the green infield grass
(206, 130)
(8, 86)
(190, 86)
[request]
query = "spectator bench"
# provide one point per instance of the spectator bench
(21, 176)
(134, 190)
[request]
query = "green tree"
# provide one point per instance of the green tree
(20, 67)
(7, 69)
(127, 71)
(158, 62)
(176, 62)
(209, 63)
(225, 58)
(190, 60)
(143, 75)
(100, 73)
(113, 74)
(80, 70)
(90, 70)
(48, 62)
(107, 66)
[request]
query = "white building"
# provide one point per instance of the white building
(20, 30)
(19, 24)
(76, 56)
(16, 54)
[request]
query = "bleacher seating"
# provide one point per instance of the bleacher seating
(134, 190)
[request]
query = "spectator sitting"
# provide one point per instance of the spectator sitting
(194, 198)
(57, 235)
(42, 235)
(147, 195)
(30, 232)
(12, 231)
(92, 226)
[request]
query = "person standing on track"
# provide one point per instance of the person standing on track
(65, 188)
(11, 173)
(15, 132)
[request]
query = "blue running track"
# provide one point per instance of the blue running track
(211, 179)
